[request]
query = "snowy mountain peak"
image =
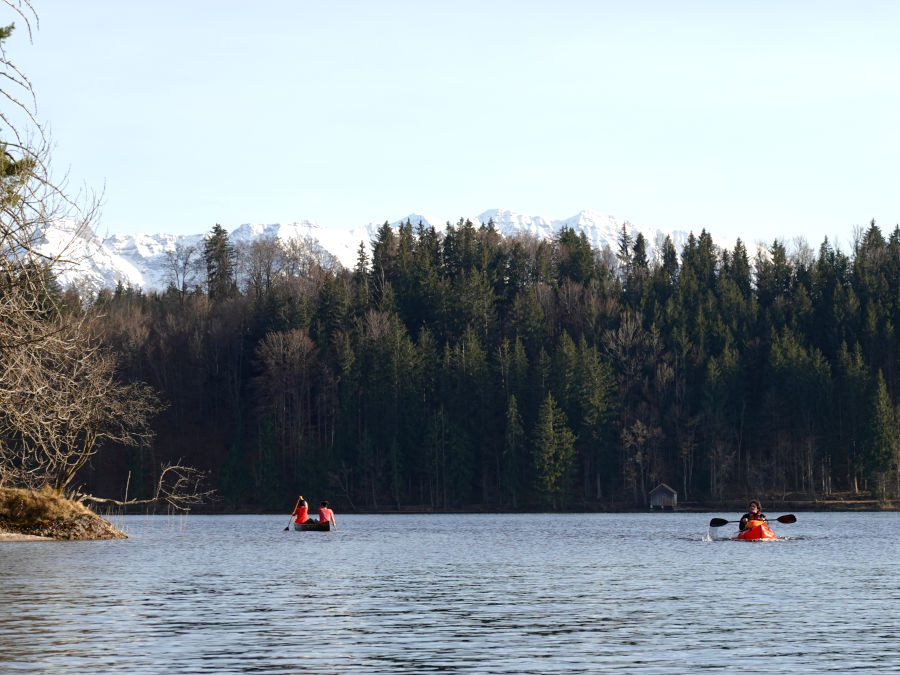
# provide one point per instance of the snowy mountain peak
(281, 231)
(144, 260)
(508, 222)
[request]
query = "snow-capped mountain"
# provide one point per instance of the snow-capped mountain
(600, 230)
(146, 260)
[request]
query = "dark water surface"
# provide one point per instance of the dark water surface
(638, 593)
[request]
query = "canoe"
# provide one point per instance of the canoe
(313, 526)
(757, 530)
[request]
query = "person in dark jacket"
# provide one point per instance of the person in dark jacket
(755, 513)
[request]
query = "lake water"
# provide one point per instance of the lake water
(644, 593)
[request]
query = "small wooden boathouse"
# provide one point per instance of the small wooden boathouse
(663, 498)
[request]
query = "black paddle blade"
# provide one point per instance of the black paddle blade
(286, 529)
(718, 522)
(789, 518)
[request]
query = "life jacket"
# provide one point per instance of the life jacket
(748, 518)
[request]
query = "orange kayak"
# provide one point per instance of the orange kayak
(756, 530)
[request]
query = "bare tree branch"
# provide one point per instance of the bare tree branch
(179, 487)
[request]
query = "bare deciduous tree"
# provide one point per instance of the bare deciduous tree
(184, 266)
(60, 397)
(303, 254)
(261, 262)
(289, 363)
(64, 401)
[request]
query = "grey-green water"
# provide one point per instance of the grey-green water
(476, 593)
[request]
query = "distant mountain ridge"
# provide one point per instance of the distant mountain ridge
(141, 260)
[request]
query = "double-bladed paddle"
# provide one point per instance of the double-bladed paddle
(719, 522)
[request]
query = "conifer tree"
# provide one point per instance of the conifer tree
(219, 255)
(882, 445)
(554, 454)
(624, 252)
(513, 452)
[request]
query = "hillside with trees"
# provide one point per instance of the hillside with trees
(461, 369)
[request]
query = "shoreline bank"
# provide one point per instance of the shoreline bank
(45, 515)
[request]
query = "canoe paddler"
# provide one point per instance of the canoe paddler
(301, 513)
(755, 513)
(326, 514)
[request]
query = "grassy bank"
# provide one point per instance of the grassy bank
(44, 513)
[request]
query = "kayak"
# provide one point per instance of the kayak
(757, 530)
(313, 526)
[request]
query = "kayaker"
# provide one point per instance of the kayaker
(301, 513)
(755, 513)
(326, 514)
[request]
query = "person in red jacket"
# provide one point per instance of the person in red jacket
(301, 513)
(326, 514)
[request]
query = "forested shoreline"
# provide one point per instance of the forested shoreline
(461, 369)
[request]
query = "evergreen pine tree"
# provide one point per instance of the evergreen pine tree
(882, 446)
(554, 454)
(513, 449)
(219, 256)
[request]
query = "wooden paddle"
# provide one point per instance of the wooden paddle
(719, 522)
(292, 514)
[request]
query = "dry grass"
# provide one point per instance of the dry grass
(29, 509)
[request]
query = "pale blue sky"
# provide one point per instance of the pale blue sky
(753, 119)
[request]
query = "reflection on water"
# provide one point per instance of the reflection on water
(482, 593)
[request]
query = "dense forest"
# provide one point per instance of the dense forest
(462, 369)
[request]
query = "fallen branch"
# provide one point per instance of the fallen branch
(179, 486)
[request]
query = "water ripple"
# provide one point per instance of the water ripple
(480, 594)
